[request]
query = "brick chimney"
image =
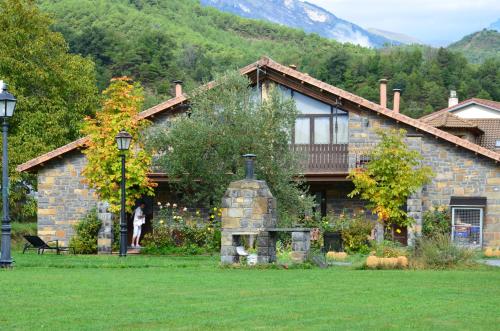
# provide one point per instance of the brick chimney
(383, 92)
(178, 87)
(397, 97)
(453, 99)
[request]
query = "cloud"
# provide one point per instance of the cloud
(425, 19)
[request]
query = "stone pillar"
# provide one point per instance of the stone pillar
(301, 244)
(105, 236)
(414, 210)
(379, 232)
(228, 248)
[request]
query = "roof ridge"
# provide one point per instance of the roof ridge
(268, 62)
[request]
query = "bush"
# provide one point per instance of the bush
(436, 221)
(19, 230)
(439, 252)
(355, 236)
(389, 248)
(85, 240)
(183, 238)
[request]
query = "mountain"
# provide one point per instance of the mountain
(157, 41)
(399, 37)
(495, 25)
(479, 46)
(302, 15)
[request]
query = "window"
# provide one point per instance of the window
(302, 131)
(322, 130)
(467, 226)
(497, 144)
(317, 122)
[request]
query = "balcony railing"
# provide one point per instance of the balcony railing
(324, 158)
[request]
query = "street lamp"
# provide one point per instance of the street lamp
(7, 106)
(123, 139)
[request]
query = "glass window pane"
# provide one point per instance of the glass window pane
(341, 130)
(302, 131)
(322, 130)
(307, 105)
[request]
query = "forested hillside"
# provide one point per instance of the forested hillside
(155, 41)
(479, 46)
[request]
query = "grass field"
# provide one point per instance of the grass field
(193, 293)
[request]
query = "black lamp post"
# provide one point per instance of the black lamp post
(123, 139)
(7, 106)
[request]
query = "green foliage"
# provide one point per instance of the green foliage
(355, 237)
(19, 230)
(157, 41)
(203, 151)
(439, 252)
(479, 46)
(389, 248)
(436, 221)
(54, 91)
(85, 239)
(121, 103)
(393, 173)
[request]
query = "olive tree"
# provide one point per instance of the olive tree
(201, 150)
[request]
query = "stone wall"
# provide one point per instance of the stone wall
(63, 198)
(459, 172)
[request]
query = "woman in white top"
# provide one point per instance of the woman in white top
(139, 220)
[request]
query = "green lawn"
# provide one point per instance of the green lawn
(193, 293)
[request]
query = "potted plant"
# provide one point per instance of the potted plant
(332, 226)
(252, 256)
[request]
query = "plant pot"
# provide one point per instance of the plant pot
(252, 259)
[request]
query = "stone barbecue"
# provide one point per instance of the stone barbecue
(248, 209)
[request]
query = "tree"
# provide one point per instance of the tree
(55, 91)
(393, 173)
(121, 103)
(203, 151)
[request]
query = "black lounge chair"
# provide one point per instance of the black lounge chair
(35, 242)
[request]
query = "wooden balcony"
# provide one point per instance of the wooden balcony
(324, 158)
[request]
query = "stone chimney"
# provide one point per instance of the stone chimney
(397, 97)
(383, 92)
(453, 99)
(178, 87)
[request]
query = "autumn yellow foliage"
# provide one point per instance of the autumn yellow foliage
(121, 103)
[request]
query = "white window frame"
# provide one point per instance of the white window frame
(481, 222)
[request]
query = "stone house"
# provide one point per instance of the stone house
(335, 129)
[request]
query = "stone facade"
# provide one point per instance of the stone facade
(458, 172)
(63, 198)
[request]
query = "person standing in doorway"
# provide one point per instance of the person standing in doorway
(139, 220)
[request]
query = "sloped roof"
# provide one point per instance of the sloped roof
(491, 129)
(448, 120)
(483, 102)
(306, 80)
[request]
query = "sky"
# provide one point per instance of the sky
(432, 21)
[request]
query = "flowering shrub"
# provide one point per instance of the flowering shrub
(436, 220)
(184, 230)
(356, 236)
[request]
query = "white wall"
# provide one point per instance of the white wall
(476, 111)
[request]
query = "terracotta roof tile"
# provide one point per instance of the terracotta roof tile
(491, 129)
